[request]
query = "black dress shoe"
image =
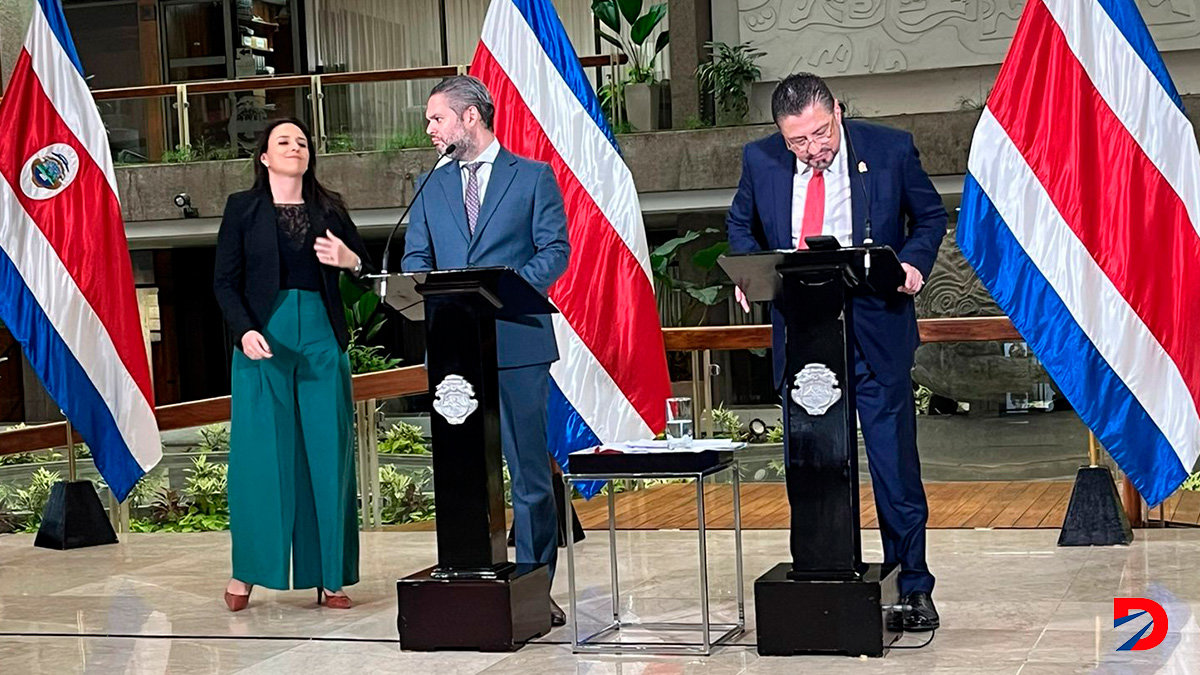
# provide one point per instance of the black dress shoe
(557, 616)
(923, 617)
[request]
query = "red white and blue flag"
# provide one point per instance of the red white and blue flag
(66, 282)
(1081, 214)
(610, 383)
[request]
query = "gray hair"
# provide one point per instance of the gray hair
(797, 92)
(464, 91)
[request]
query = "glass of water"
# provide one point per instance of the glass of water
(679, 423)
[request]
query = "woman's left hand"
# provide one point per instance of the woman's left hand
(334, 252)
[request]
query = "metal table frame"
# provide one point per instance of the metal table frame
(596, 642)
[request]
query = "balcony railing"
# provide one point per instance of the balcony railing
(162, 115)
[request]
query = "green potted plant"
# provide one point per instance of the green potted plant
(364, 323)
(708, 287)
(629, 30)
(727, 77)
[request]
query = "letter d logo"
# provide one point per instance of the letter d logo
(1158, 621)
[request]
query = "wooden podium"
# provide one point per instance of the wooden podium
(826, 600)
(473, 598)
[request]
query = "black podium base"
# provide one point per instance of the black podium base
(827, 617)
(74, 518)
(1095, 516)
(487, 615)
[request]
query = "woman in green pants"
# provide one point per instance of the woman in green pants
(281, 249)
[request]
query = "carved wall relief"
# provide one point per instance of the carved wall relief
(857, 37)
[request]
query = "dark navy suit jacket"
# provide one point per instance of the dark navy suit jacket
(906, 214)
(521, 225)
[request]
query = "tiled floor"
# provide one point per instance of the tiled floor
(1011, 602)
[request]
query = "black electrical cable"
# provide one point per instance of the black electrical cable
(920, 646)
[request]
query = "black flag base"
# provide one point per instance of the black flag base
(1095, 516)
(74, 518)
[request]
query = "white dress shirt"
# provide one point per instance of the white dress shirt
(838, 221)
(484, 173)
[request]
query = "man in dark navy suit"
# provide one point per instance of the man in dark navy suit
(808, 180)
(490, 208)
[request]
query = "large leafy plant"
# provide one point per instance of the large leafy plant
(364, 322)
(634, 43)
(727, 75)
(712, 288)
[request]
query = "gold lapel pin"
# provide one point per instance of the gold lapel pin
(862, 167)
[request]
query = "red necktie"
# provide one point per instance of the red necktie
(814, 209)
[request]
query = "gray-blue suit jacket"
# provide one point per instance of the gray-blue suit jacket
(521, 225)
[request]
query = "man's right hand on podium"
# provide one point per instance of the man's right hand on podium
(255, 346)
(741, 299)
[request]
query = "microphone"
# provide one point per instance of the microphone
(862, 184)
(387, 248)
(862, 168)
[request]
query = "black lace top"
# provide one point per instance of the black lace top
(298, 265)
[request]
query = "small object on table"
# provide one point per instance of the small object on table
(679, 422)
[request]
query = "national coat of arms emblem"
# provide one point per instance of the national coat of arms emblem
(454, 399)
(49, 171)
(816, 389)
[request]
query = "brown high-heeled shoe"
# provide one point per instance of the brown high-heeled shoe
(333, 601)
(235, 602)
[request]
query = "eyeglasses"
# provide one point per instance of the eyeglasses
(819, 136)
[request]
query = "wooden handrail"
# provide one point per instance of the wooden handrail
(413, 380)
(386, 384)
(971, 329)
(327, 79)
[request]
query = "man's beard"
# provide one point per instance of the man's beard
(463, 147)
(823, 165)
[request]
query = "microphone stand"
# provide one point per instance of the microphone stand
(387, 248)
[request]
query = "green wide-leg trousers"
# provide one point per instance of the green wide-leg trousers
(292, 492)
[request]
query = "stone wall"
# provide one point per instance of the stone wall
(14, 21)
(890, 56)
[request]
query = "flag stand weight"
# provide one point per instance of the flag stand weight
(74, 516)
(1095, 516)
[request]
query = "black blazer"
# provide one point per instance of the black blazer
(246, 277)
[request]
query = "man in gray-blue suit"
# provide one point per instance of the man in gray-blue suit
(490, 208)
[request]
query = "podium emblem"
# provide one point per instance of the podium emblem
(816, 389)
(454, 399)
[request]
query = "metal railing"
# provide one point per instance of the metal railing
(316, 85)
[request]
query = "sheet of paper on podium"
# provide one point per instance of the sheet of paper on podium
(649, 446)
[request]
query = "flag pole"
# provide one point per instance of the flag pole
(70, 452)
(1093, 451)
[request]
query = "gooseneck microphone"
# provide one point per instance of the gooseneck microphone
(860, 169)
(387, 248)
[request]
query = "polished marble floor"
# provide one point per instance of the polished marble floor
(1011, 602)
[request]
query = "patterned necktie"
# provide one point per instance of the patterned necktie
(472, 198)
(814, 209)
